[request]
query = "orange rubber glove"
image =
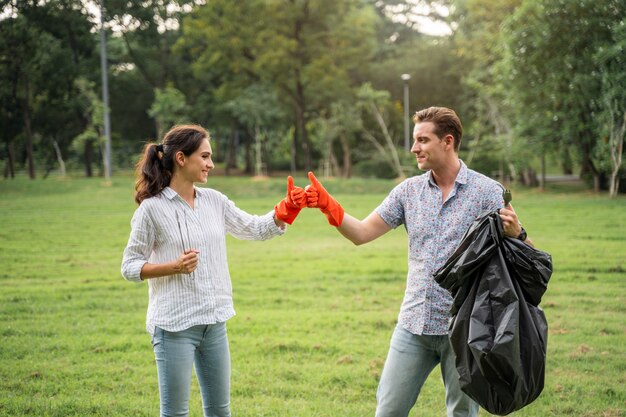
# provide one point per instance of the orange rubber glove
(288, 208)
(317, 196)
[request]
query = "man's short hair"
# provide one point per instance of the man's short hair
(445, 120)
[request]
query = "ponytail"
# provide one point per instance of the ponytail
(155, 168)
(152, 177)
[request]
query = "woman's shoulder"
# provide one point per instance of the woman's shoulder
(211, 195)
(154, 201)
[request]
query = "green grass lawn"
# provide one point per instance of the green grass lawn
(314, 313)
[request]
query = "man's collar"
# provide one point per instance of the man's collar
(461, 176)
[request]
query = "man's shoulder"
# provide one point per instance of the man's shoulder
(415, 180)
(478, 179)
(410, 185)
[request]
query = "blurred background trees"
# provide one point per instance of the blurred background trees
(293, 85)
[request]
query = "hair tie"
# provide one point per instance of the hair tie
(159, 147)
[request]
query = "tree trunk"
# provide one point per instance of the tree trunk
(617, 150)
(231, 152)
(301, 120)
(566, 161)
(392, 149)
(88, 158)
(258, 157)
(29, 138)
(333, 163)
(249, 164)
(588, 168)
(57, 150)
(347, 156)
(294, 151)
(542, 176)
(9, 168)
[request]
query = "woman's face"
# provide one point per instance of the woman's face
(196, 167)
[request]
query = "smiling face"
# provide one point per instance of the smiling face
(430, 151)
(196, 167)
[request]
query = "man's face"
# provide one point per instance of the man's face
(429, 150)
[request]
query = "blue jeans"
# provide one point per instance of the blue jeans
(206, 346)
(410, 360)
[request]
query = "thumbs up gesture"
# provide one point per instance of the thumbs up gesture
(288, 208)
(317, 196)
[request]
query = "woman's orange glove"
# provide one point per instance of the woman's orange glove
(317, 196)
(289, 207)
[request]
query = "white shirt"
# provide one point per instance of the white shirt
(162, 227)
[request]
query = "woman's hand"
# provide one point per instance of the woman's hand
(187, 262)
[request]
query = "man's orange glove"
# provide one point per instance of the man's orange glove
(289, 207)
(317, 196)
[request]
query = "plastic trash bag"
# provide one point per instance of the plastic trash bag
(497, 331)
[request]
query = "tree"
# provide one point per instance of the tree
(93, 134)
(169, 108)
(489, 127)
(311, 48)
(149, 30)
(372, 102)
(308, 51)
(342, 123)
(613, 115)
(43, 48)
(257, 109)
(555, 82)
(220, 42)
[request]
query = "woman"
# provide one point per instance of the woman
(178, 244)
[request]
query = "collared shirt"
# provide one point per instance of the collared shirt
(165, 225)
(434, 229)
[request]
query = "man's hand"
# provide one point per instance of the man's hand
(317, 196)
(510, 222)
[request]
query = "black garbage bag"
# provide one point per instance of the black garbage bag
(497, 331)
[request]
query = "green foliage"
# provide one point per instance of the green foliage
(556, 84)
(169, 108)
(315, 313)
(529, 78)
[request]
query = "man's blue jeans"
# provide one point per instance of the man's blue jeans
(410, 360)
(205, 346)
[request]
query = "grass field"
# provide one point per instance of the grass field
(315, 313)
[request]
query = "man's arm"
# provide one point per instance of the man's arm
(363, 231)
(357, 231)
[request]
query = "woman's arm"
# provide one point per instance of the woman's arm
(185, 264)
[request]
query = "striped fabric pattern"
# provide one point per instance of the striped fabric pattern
(162, 227)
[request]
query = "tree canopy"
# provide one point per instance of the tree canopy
(316, 84)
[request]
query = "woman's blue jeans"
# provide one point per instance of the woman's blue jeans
(204, 346)
(410, 360)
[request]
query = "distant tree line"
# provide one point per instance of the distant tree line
(294, 85)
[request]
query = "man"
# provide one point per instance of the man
(436, 209)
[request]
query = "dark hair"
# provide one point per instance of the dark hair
(445, 120)
(156, 166)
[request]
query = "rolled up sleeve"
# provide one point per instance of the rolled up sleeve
(139, 247)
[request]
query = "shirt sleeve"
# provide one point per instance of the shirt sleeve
(139, 247)
(247, 226)
(494, 199)
(391, 210)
